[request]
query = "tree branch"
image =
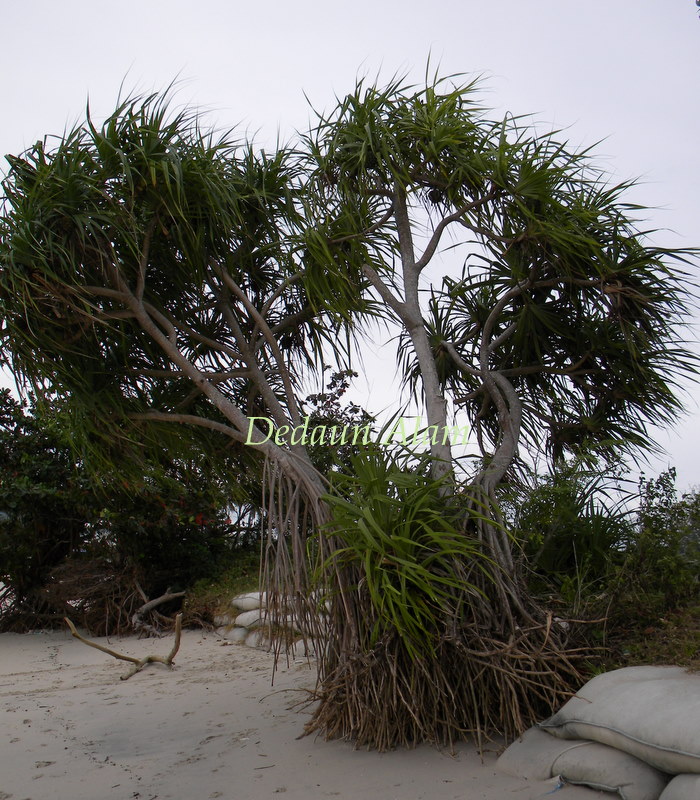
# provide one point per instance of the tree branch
(444, 223)
(190, 419)
(412, 317)
(272, 342)
(503, 337)
(459, 361)
(256, 373)
(215, 377)
(220, 401)
(286, 283)
(384, 292)
(292, 320)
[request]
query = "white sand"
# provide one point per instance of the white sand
(212, 727)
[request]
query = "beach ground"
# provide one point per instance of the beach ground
(212, 727)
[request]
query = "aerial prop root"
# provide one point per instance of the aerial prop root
(477, 684)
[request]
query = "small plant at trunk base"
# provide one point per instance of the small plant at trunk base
(413, 561)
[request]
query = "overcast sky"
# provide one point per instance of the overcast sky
(622, 72)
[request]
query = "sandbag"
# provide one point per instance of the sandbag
(538, 756)
(682, 787)
(533, 755)
(652, 713)
(601, 767)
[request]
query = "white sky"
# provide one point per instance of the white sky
(622, 71)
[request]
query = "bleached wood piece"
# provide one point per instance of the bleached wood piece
(136, 620)
(138, 663)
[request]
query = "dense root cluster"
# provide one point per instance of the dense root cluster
(478, 657)
(473, 685)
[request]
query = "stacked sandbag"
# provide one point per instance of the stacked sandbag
(652, 713)
(682, 787)
(538, 756)
(629, 731)
(247, 621)
(243, 622)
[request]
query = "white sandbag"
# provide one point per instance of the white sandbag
(236, 634)
(533, 755)
(249, 601)
(249, 619)
(652, 713)
(538, 756)
(682, 787)
(254, 639)
(223, 621)
(601, 767)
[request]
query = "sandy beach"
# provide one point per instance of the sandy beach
(212, 727)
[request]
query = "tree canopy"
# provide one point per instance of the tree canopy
(162, 273)
(565, 317)
(167, 279)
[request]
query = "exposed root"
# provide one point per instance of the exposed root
(473, 686)
(486, 661)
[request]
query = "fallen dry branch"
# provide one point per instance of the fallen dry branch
(136, 620)
(138, 663)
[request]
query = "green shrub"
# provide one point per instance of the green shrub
(572, 526)
(661, 568)
(629, 561)
(410, 559)
(73, 542)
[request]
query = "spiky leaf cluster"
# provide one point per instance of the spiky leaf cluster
(562, 293)
(147, 253)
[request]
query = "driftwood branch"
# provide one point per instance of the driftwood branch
(138, 663)
(136, 620)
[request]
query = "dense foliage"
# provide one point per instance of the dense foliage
(44, 505)
(571, 523)
(96, 550)
(662, 554)
(625, 558)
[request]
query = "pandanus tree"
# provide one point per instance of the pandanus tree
(559, 334)
(170, 281)
(153, 277)
(564, 319)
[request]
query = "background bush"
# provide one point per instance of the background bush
(630, 559)
(97, 547)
